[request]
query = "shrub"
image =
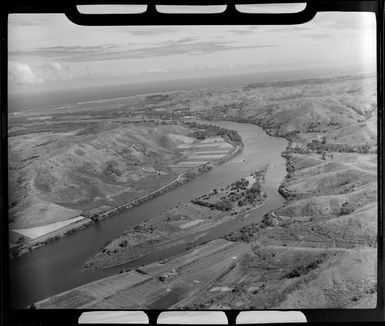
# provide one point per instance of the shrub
(123, 243)
(347, 208)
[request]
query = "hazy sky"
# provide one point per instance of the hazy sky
(47, 51)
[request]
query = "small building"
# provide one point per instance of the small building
(166, 275)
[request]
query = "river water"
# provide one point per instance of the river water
(57, 267)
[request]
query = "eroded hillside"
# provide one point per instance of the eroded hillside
(319, 249)
(316, 251)
(53, 176)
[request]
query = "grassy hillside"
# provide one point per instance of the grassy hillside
(342, 108)
(319, 249)
(53, 176)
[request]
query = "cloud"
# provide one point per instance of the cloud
(111, 52)
(64, 53)
(54, 71)
(21, 73)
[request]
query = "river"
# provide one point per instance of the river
(57, 267)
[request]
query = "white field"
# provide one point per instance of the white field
(191, 223)
(210, 149)
(39, 231)
(184, 139)
(214, 146)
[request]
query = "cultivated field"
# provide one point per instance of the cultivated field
(202, 152)
(151, 286)
(86, 167)
(185, 219)
(319, 250)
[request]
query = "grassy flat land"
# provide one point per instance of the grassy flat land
(145, 289)
(186, 218)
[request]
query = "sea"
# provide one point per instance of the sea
(64, 98)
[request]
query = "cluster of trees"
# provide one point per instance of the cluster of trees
(244, 234)
(240, 184)
(251, 195)
(303, 270)
(314, 127)
(47, 241)
(321, 146)
(145, 227)
(20, 239)
(239, 193)
(290, 168)
(211, 131)
(299, 150)
(200, 170)
(221, 205)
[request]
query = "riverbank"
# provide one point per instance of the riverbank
(316, 250)
(234, 140)
(201, 214)
(159, 285)
(303, 253)
(67, 256)
(288, 256)
(324, 232)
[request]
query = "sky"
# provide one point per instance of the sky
(48, 52)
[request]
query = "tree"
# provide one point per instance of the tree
(347, 208)
(365, 149)
(224, 205)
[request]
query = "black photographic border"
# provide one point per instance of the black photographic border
(230, 16)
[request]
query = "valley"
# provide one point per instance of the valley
(314, 248)
(63, 181)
